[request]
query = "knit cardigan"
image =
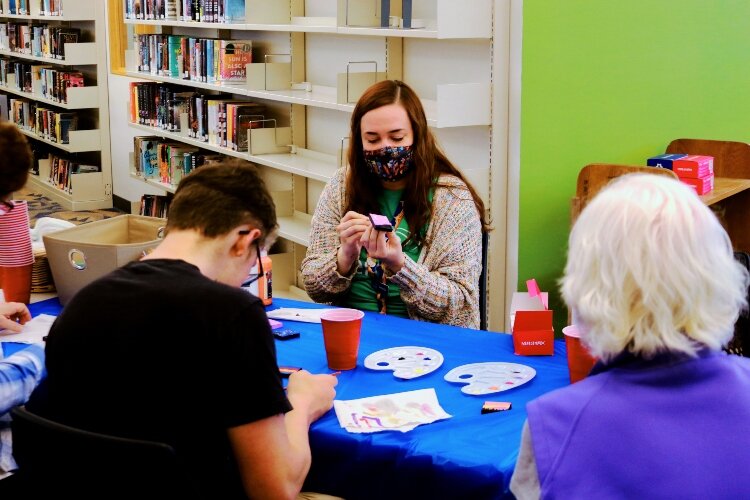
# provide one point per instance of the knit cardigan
(441, 287)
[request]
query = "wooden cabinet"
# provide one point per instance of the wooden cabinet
(90, 144)
(730, 198)
(311, 61)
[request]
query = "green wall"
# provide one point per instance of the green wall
(614, 81)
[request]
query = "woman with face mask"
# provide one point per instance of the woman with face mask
(427, 266)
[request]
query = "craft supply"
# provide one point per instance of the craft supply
(402, 411)
(275, 324)
(495, 406)
(285, 371)
(285, 334)
(406, 362)
(380, 222)
(487, 378)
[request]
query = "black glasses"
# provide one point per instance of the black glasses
(7, 206)
(253, 277)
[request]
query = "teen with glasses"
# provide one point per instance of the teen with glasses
(171, 349)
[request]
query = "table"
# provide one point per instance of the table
(467, 456)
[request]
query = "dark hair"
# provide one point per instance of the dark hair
(14, 169)
(217, 198)
(362, 186)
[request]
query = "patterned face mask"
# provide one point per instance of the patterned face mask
(390, 163)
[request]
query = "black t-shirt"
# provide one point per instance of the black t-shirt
(155, 350)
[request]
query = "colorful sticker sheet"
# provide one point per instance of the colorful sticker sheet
(401, 411)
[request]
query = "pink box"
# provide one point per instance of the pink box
(702, 186)
(694, 166)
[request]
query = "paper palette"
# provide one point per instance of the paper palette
(407, 362)
(487, 378)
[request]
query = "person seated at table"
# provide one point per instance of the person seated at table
(428, 266)
(19, 375)
(16, 258)
(655, 291)
(171, 349)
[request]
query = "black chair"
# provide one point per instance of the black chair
(483, 282)
(59, 461)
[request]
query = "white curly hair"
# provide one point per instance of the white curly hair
(650, 269)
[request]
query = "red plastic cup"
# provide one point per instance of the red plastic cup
(341, 329)
(16, 283)
(580, 361)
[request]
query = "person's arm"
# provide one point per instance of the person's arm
(320, 273)
(445, 287)
(19, 375)
(273, 454)
(13, 315)
(524, 483)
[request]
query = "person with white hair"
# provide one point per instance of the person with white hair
(654, 289)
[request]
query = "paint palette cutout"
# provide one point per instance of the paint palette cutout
(488, 378)
(406, 362)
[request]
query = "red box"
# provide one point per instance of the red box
(702, 186)
(531, 322)
(694, 167)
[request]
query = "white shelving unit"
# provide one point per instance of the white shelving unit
(448, 61)
(88, 191)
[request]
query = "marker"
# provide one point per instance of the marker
(335, 374)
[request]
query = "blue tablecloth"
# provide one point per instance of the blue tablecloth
(467, 456)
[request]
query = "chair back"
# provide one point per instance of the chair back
(483, 282)
(57, 460)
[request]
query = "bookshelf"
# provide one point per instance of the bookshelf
(447, 58)
(90, 144)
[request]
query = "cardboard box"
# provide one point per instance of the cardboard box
(702, 186)
(531, 322)
(81, 254)
(665, 160)
(694, 166)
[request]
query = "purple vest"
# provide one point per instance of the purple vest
(670, 427)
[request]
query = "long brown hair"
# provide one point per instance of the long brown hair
(363, 188)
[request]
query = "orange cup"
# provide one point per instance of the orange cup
(341, 328)
(580, 361)
(16, 283)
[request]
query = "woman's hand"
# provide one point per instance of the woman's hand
(388, 250)
(13, 315)
(351, 229)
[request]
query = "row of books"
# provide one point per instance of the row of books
(37, 40)
(206, 11)
(22, 7)
(214, 119)
(155, 205)
(62, 168)
(197, 59)
(167, 161)
(49, 82)
(44, 122)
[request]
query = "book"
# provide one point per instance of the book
(69, 36)
(148, 157)
(234, 11)
(233, 56)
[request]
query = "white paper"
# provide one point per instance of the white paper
(33, 332)
(402, 411)
(303, 315)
